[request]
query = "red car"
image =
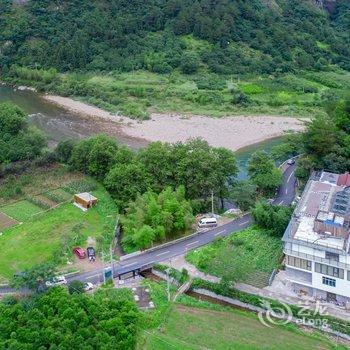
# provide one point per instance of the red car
(79, 252)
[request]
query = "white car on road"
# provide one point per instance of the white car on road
(88, 286)
(56, 281)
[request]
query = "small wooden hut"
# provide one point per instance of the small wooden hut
(85, 200)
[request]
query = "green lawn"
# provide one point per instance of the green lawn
(21, 211)
(51, 235)
(192, 328)
(248, 256)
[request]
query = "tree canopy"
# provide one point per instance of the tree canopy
(57, 320)
(264, 174)
(272, 217)
(18, 141)
(238, 36)
(153, 217)
(325, 145)
(200, 168)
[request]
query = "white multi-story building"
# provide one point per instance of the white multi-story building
(316, 242)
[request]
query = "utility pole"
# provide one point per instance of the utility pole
(104, 267)
(212, 202)
(111, 245)
(168, 283)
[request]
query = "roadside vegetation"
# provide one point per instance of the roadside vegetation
(325, 144)
(248, 256)
(153, 218)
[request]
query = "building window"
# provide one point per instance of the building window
(329, 270)
(299, 263)
(348, 273)
(328, 281)
(332, 256)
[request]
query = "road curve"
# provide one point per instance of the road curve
(285, 196)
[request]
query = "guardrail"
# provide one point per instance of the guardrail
(167, 244)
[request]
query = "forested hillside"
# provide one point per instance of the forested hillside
(235, 36)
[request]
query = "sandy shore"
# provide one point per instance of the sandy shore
(229, 132)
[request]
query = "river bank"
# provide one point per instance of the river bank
(229, 132)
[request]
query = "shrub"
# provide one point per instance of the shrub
(189, 64)
(36, 201)
(252, 89)
(135, 111)
(76, 287)
(55, 197)
(240, 98)
(79, 186)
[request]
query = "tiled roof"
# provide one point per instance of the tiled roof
(344, 180)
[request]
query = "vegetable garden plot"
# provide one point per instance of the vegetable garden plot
(6, 221)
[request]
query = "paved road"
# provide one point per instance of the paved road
(285, 196)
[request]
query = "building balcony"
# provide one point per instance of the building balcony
(316, 259)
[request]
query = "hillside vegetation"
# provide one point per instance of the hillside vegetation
(203, 57)
(236, 36)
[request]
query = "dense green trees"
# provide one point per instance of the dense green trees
(57, 320)
(142, 182)
(18, 141)
(272, 217)
(201, 169)
(238, 36)
(35, 277)
(264, 174)
(125, 181)
(94, 156)
(153, 217)
(244, 194)
(325, 145)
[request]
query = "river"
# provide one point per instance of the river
(58, 124)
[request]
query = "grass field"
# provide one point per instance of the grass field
(191, 328)
(21, 211)
(192, 324)
(248, 256)
(51, 235)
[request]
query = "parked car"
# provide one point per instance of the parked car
(207, 222)
(20, 274)
(88, 286)
(56, 281)
(291, 161)
(91, 253)
(79, 252)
